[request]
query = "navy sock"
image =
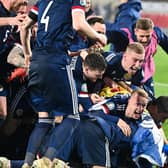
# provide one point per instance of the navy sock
(60, 136)
(16, 163)
(45, 144)
(36, 138)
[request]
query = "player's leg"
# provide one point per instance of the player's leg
(3, 105)
(94, 146)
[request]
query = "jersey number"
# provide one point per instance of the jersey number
(45, 18)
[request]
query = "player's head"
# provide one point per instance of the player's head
(23, 8)
(97, 23)
(159, 108)
(133, 57)
(143, 30)
(88, 5)
(137, 104)
(94, 66)
(15, 5)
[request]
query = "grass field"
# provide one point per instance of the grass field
(161, 79)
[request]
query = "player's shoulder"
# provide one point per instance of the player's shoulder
(112, 57)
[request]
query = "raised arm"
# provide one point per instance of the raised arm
(81, 26)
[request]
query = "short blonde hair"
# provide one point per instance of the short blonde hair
(140, 92)
(136, 47)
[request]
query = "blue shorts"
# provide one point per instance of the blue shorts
(39, 104)
(51, 84)
(93, 146)
(87, 145)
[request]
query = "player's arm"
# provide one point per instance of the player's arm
(124, 85)
(25, 34)
(162, 38)
(17, 20)
(124, 127)
(80, 25)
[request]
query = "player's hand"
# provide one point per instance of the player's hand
(102, 40)
(80, 108)
(95, 98)
(27, 61)
(17, 20)
(124, 127)
(95, 48)
(83, 54)
(109, 82)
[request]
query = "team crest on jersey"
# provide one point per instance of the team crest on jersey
(84, 88)
(83, 2)
(127, 76)
(110, 105)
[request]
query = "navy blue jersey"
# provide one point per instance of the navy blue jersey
(114, 69)
(116, 72)
(33, 13)
(115, 106)
(81, 82)
(49, 56)
(127, 14)
(78, 43)
(4, 30)
(5, 46)
(76, 65)
(55, 25)
(107, 114)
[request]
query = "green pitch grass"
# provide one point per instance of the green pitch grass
(161, 79)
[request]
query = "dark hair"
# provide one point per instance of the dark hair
(94, 19)
(162, 103)
(95, 61)
(144, 24)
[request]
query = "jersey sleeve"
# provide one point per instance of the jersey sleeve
(78, 5)
(162, 39)
(33, 13)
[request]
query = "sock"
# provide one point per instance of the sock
(45, 143)
(36, 138)
(16, 163)
(60, 136)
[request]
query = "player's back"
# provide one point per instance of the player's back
(54, 23)
(4, 30)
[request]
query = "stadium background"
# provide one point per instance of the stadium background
(158, 12)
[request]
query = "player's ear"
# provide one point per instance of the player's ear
(135, 30)
(85, 68)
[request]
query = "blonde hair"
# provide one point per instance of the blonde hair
(140, 92)
(136, 47)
